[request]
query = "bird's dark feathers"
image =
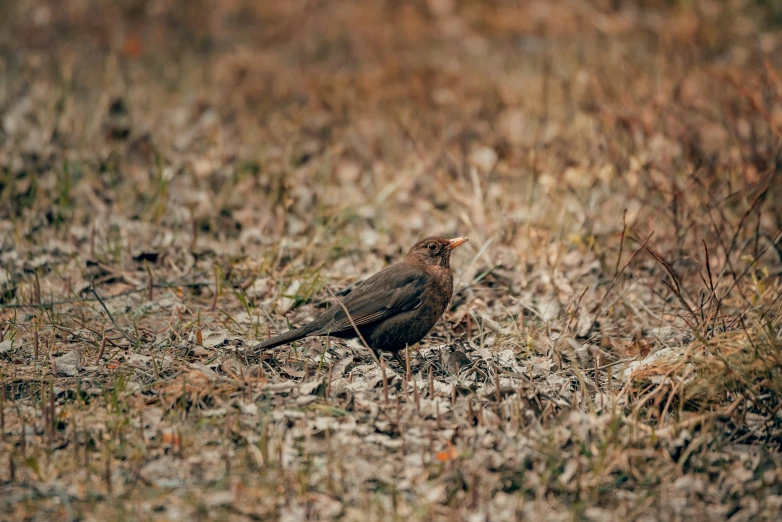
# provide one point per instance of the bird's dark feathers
(396, 289)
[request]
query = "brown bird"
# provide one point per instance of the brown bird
(394, 308)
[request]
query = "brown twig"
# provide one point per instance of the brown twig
(35, 338)
(111, 318)
(328, 382)
(102, 348)
(675, 286)
(2, 406)
(217, 290)
(616, 277)
(92, 241)
(416, 397)
(621, 243)
(150, 283)
(407, 363)
(385, 380)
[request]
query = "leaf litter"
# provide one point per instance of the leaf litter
(173, 197)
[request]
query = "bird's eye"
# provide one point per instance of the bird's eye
(432, 247)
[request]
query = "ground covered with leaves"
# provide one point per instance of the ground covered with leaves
(181, 179)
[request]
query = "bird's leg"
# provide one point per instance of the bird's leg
(398, 357)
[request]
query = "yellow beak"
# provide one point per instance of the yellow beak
(455, 242)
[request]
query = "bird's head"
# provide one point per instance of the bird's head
(434, 250)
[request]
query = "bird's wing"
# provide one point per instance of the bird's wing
(387, 293)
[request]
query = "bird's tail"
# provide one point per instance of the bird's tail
(287, 337)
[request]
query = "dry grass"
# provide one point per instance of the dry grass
(180, 179)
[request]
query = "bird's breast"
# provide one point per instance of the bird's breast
(440, 288)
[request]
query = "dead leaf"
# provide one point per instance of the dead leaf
(449, 454)
(68, 364)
